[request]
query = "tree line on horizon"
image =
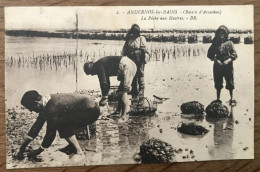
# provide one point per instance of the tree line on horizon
(182, 36)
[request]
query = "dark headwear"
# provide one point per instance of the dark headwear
(29, 98)
(88, 68)
(222, 28)
(134, 30)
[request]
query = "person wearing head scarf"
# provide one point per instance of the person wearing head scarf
(135, 48)
(223, 53)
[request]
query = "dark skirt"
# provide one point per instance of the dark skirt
(68, 125)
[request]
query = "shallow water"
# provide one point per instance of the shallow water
(180, 78)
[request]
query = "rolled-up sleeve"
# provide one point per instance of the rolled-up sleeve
(143, 44)
(49, 136)
(36, 127)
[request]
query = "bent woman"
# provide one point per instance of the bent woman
(64, 113)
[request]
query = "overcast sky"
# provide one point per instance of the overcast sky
(53, 18)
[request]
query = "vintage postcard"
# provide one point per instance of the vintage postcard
(128, 85)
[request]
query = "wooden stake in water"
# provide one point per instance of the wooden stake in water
(76, 24)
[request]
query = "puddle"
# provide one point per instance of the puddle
(179, 78)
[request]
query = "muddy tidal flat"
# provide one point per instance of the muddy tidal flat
(180, 72)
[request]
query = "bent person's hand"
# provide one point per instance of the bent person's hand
(34, 153)
(18, 155)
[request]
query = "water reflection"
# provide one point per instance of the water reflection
(132, 135)
(172, 72)
(191, 124)
(222, 136)
(115, 142)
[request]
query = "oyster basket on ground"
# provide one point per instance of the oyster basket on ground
(191, 129)
(143, 106)
(139, 105)
(113, 95)
(192, 107)
(156, 151)
(217, 110)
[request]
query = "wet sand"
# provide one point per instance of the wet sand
(182, 80)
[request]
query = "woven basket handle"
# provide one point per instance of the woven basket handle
(147, 102)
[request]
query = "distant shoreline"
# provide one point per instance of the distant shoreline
(173, 35)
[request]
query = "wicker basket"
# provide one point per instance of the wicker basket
(141, 109)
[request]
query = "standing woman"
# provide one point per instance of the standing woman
(135, 48)
(223, 53)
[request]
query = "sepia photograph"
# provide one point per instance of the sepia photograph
(92, 85)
